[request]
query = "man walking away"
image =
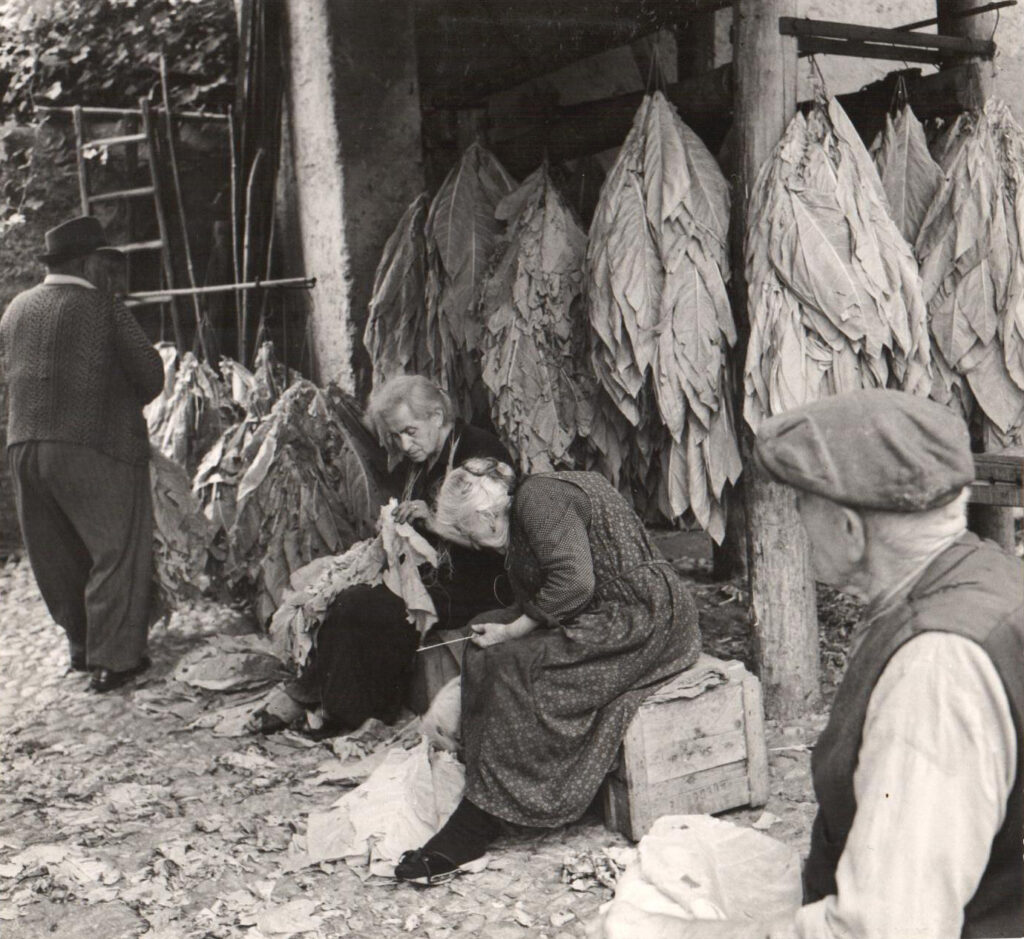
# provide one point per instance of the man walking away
(79, 370)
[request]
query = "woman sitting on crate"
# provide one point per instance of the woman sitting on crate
(362, 662)
(550, 684)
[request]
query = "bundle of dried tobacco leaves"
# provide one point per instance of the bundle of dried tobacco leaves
(834, 293)
(307, 491)
(661, 324)
(181, 535)
(191, 412)
(533, 343)
(971, 249)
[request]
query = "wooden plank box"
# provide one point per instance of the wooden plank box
(688, 756)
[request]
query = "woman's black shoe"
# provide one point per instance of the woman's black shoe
(106, 679)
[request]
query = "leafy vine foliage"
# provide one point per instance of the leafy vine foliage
(107, 52)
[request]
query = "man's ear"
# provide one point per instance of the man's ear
(854, 536)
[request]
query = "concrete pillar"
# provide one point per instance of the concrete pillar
(354, 105)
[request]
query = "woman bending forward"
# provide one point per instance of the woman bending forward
(550, 685)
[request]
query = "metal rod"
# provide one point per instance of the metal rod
(122, 112)
(961, 14)
(146, 296)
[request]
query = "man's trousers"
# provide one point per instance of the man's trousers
(87, 521)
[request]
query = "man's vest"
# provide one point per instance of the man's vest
(975, 590)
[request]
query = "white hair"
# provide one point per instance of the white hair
(421, 395)
(480, 488)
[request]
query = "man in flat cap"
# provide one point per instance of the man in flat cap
(79, 370)
(919, 773)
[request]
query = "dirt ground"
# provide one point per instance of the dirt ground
(121, 817)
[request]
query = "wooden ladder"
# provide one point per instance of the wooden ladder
(141, 131)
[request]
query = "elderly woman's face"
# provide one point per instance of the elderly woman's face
(419, 438)
(487, 530)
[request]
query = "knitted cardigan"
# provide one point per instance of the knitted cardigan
(79, 369)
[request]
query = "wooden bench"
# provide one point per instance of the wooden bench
(999, 478)
(690, 755)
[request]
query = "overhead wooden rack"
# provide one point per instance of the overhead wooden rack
(870, 42)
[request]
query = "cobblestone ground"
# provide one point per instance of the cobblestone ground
(142, 825)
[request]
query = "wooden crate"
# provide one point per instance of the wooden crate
(688, 756)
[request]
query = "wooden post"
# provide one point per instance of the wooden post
(781, 586)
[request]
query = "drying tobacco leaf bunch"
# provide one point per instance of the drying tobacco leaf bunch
(400, 335)
(181, 536)
(191, 412)
(834, 292)
(660, 321)
(971, 251)
(912, 178)
(461, 233)
(292, 503)
(533, 344)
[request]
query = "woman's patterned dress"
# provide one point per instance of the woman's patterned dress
(544, 715)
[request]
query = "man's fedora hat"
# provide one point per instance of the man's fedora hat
(76, 238)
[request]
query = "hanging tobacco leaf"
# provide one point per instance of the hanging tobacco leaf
(191, 412)
(533, 343)
(972, 268)
(461, 233)
(909, 175)
(834, 293)
(401, 335)
(657, 267)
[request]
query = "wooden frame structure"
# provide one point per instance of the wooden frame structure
(465, 52)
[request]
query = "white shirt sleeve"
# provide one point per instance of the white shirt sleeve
(936, 764)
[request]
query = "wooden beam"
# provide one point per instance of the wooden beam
(469, 49)
(704, 102)
(781, 585)
(869, 50)
(828, 29)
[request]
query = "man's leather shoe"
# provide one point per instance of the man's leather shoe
(106, 679)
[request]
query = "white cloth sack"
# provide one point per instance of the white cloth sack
(699, 867)
(404, 801)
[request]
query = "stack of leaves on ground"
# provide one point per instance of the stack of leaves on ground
(971, 250)
(834, 293)
(660, 320)
(392, 557)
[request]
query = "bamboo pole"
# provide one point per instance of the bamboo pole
(180, 202)
(235, 246)
(246, 251)
(781, 585)
(159, 296)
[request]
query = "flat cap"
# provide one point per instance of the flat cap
(870, 449)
